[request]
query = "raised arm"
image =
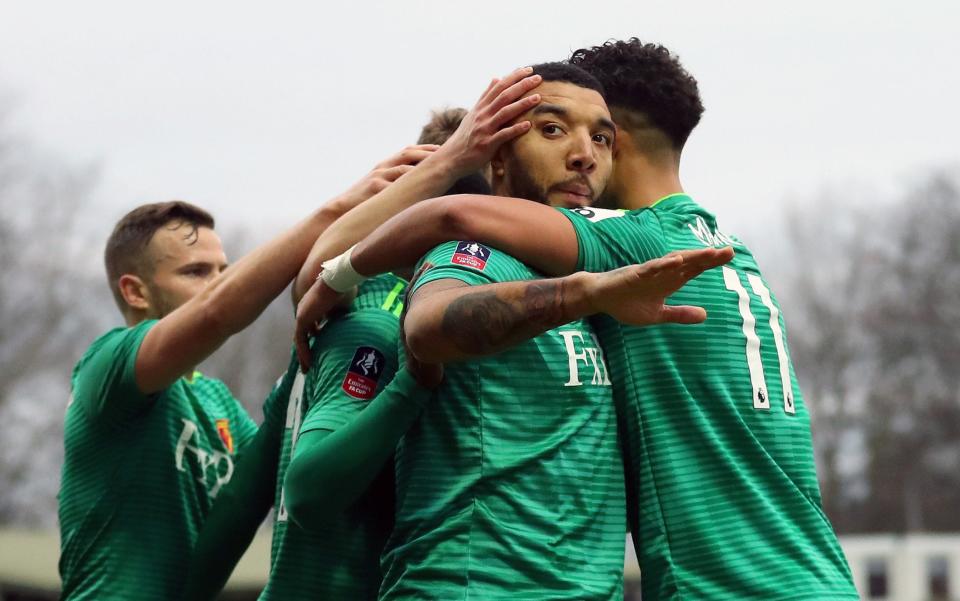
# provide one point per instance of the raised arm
(231, 302)
(487, 126)
(449, 321)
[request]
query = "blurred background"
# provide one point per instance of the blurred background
(829, 145)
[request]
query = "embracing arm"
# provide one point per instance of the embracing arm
(534, 233)
(330, 470)
(449, 321)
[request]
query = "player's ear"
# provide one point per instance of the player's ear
(497, 165)
(134, 292)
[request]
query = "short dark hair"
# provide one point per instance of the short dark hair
(646, 79)
(559, 71)
(441, 126)
(128, 241)
(472, 183)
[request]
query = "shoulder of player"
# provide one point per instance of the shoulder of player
(374, 327)
(105, 363)
(482, 257)
(206, 385)
(111, 339)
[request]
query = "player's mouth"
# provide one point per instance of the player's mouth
(574, 195)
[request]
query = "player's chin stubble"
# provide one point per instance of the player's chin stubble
(522, 185)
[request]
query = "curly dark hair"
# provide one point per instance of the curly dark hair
(646, 79)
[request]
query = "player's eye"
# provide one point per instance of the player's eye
(605, 139)
(551, 130)
(197, 271)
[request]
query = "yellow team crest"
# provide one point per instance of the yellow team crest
(223, 428)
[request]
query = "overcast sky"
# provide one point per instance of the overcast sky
(260, 113)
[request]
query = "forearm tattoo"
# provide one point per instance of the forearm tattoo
(489, 321)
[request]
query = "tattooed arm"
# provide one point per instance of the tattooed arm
(448, 320)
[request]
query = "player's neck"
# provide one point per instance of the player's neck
(643, 181)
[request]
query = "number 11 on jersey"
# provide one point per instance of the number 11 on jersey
(761, 398)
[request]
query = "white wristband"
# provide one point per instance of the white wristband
(339, 274)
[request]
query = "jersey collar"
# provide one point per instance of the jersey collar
(669, 196)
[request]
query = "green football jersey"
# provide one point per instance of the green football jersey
(355, 356)
(723, 497)
(140, 472)
(510, 485)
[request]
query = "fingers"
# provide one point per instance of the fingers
(684, 265)
(486, 92)
(301, 339)
(514, 110)
(645, 272)
(508, 133)
(684, 314)
(706, 258)
(698, 261)
(410, 155)
(515, 91)
(394, 173)
(311, 316)
(498, 86)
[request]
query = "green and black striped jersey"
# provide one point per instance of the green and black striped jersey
(140, 473)
(723, 498)
(510, 485)
(354, 358)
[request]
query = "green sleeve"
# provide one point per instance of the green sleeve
(472, 263)
(105, 383)
(610, 239)
(356, 358)
(243, 503)
(330, 470)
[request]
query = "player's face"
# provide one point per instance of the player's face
(565, 159)
(184, 261)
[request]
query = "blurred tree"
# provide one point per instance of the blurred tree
(46, 256)
(873, 312)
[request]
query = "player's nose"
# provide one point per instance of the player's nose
(581, 157)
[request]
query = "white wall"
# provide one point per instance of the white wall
(907, 562)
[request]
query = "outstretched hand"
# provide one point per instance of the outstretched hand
(637, 294)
